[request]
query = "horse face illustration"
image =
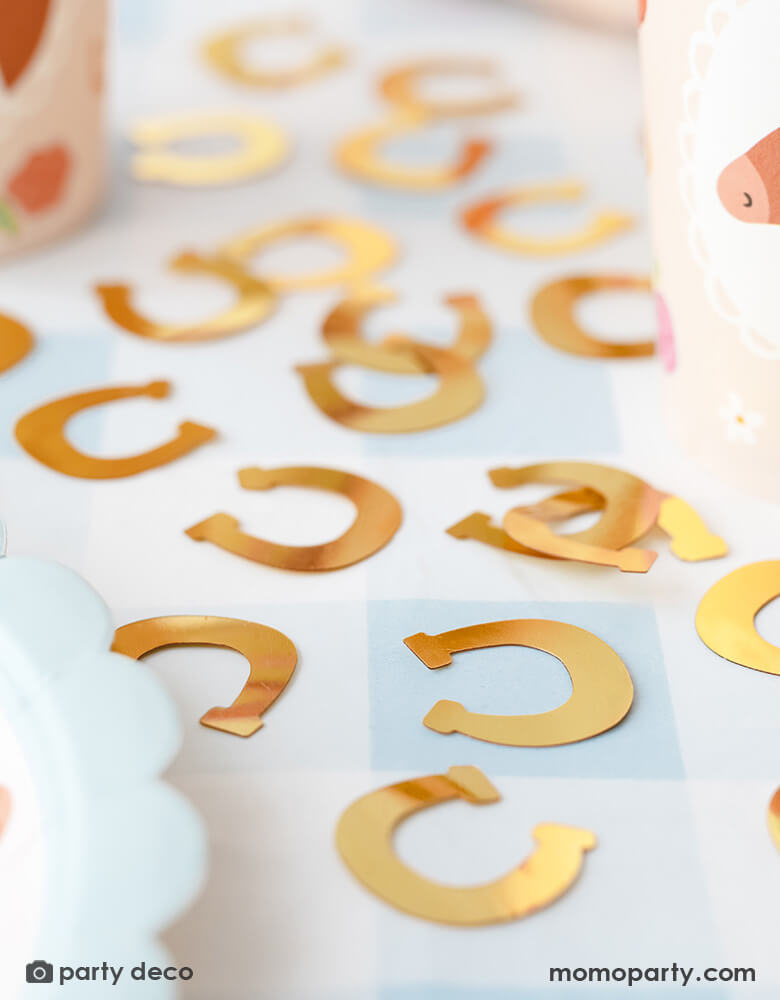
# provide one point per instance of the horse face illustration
(749, 187)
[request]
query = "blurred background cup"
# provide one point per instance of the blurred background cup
(712, 111)
(52, 156)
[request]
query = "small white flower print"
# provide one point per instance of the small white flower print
(741, 424)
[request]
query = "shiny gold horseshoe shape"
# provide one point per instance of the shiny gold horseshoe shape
(16, 342)
(378, 518)
(224, 52)
(364, 837)
(480, 220)
(725, 617)
(401, 87)
(553, 315)
(460, 392)
(341, 331)
(261, 147)
(360, 156)
(773, 818)
(256, 301)
(368, 249)
(41, 433)
(272, 658)
(602, 690)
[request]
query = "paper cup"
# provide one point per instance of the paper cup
(712, 86)
(52, 160)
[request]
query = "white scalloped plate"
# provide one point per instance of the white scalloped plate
(98, 855)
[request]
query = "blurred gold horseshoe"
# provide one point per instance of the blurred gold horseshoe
(725, 617)
(16, 342)
(378, 518)
(41, 433)
(360, 155)
(401, 87)
(460, 391)
(553, 315)
(255, 302)
(602, 690)
(773, 818)
(225, 53)
(261, 146)
(368, 250)
(272, 658)
(480, 220)
(342, 333)
(364, 837)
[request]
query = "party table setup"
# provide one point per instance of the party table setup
(388, 427)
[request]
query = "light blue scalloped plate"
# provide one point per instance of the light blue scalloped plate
(99, 853)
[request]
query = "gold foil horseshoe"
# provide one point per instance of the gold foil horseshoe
(378, 518)
(401, 86)
(16, 342)
(368, 250)
(460, 392)
(261, 146)
(5, 808)
(725, 619)
(226, 54)
(360, 156)
(773, 818)
(364, 837)
(255, 302)
(342, 332)
(481, 221)
(602, 690)
(553, 315)
(271, 655)
(629, 508)
(41, 433)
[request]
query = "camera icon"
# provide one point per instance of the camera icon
(40, 972)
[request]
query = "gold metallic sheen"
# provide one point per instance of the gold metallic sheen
(725, 617)
(773, 818)
(271, 655)
(16, 342)
(364, 837)
(397, 352)
(480, 220)
(602, 690)
(378, 518)
(261, 146)
(401, 87)
(553, 315)
(41, 433)
(256, 300)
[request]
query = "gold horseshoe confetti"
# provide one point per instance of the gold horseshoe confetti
(16, 342)
(725, 619)
(400, 86)
(364, 837)
(368, 250)
(41, 433)
(602, 690)
(629, 508)
(5, 808)
(256, 301)
(261, 146)
(773, 819)
(271, 655)
(360, 156)
(378, 518)
(225, 53)
(460, 391)
(341, 331)
(553, 315)
(481, 220)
